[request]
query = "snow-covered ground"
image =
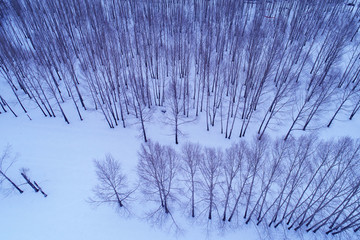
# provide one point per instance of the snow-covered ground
(60, 158)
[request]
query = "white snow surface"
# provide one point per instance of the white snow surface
(60, 158)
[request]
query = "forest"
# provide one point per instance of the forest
(300, 183)
(241, 66)
(288, 63)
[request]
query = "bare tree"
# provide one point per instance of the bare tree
(112, 187)
(157, 169)
(296, 169)
(176, 106)
(3, 158)
(270, 172)
(232, 166)
(210, 168)
(142, 112)
(24, 174)
(257, 152)
(191, 157)
(242, 182)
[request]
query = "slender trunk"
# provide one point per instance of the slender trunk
(12, 183)
(29, 182)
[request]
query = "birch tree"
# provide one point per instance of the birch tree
(113, 187)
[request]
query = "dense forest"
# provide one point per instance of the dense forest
(267, 63)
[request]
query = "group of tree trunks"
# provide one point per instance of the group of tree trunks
(6, 161)
(302, 183)
(236, 61)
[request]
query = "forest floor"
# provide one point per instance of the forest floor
(60, 159)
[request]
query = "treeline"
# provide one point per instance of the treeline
(301, 183)
(235, 61)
